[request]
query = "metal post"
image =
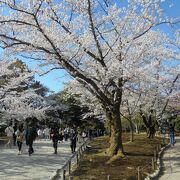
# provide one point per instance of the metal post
(108, 177)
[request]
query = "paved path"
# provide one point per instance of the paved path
(171, 162)
(40, 166)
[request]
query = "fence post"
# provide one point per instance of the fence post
(108, 177)
(69, 167)
(77, 157)
(64, 174)
(153, 164)
(80, 150)
(157, 147)
(139, 174)
(79, 153)
(155, 154)
(82, 147)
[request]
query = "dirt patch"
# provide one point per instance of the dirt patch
(93, 165)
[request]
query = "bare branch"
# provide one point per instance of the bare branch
(25, 43)
(170, 91)
(49, 71)
(94, 33)
(17, 21)
(154, 25)
(57, 20)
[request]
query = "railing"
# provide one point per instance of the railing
(154, 163)
(67, 168)
(74, 160)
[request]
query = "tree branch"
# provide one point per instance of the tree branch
(94, 33)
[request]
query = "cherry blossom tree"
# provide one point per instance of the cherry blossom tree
(102, 44)
(151, 98)
(17, 100)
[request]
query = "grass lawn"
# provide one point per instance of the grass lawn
(93, 165)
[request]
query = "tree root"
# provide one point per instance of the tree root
(119, 155)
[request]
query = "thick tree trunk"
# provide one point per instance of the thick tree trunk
(152, 131)
(116, 134)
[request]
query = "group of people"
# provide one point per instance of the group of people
(44, 133)
(30, 133)
(57, 134)
(21, 134)
(168, 128)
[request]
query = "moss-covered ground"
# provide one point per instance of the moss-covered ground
(94, 166)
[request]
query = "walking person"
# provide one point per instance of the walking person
(78, 135)
(14, 135)
(40, 134)
(61, 135)
(55, 137)
(9, 132)
(46, 133)
(171, 134)
(73, 140)
(66, 133)
(20, 133)
(83, 136)
(31, 134)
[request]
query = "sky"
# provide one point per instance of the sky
(55, 79)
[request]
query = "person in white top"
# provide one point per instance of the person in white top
(40, 133)
(20, 133)
(47, 133)
(9, 132)
(83, 136)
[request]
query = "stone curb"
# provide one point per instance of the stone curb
(154, 175)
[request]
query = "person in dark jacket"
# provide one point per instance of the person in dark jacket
(14, 135)
(73, 140)
(171, 134)
(54, 134)
(31, 134)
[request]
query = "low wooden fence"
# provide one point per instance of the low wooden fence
(65, 172)
(140, 170)
(153, 163)
(61, 174)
